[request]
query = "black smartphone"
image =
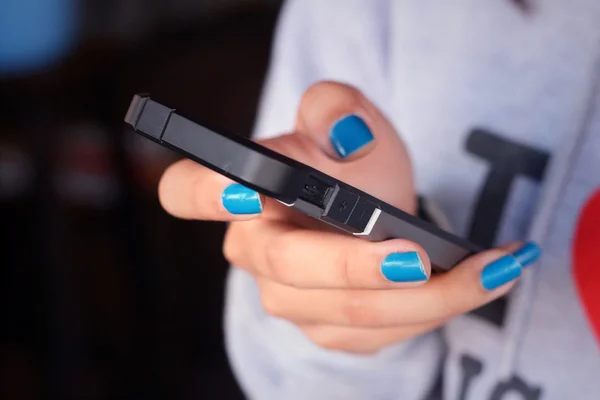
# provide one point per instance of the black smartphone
(292, 183)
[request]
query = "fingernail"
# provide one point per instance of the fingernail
(349, 134)
(501, 271)
(528, 254)
(403, 267)
(238, 199)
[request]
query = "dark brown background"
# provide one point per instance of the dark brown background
(103, 295)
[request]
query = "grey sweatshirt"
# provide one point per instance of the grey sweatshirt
(500, 111)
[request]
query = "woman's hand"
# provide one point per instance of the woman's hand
(344, 293)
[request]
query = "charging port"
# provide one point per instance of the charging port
(316, 191)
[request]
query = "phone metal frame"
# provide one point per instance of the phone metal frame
(292, 183)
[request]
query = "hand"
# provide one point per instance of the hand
(344, 293)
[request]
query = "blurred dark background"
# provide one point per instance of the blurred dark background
(102, 294)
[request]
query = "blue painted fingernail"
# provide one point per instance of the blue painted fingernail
(528, 254)
(238, 199)
(349, 134)
(501, 271)
(403, 267)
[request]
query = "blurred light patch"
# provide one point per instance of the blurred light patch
(35, 34)
(16, 172)
(85, 173)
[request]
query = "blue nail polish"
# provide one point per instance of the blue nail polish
(238, 199)
(349, 134)
(528, 254)
(500, 272)
(403, 267)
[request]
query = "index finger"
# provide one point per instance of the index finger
(312, 259)
(190, 191)
(473, 283)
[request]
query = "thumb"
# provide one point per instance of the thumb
(358, 144)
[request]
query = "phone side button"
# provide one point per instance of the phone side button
(340, 206)
(362, 215)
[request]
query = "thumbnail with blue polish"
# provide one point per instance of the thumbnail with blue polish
(350, 134)
(238, 199)
(403, 267)
(528, 254)
(500, 272)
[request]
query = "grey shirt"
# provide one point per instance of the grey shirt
(500, 112)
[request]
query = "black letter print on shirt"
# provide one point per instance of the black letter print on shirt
(516, 385)
(471, 368)
(507, 160)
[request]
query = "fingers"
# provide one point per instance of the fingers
(331, 115)
(358, 144)
(190, 191)
(342, 121)
(477, 281)
(312, 259)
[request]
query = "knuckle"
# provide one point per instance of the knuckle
(327, 93)
(232, 249)
(347, 340)
(446, 300)
(277, 253)
(357, 310)
(348, 261)
(444, 307)
(454, 300)
(329, 343)
(325, 339)
(271, 304)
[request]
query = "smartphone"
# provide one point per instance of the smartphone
(292, 183)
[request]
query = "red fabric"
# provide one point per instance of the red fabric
(586, 260)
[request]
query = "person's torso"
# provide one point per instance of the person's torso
(497, 106)
(500, 110)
